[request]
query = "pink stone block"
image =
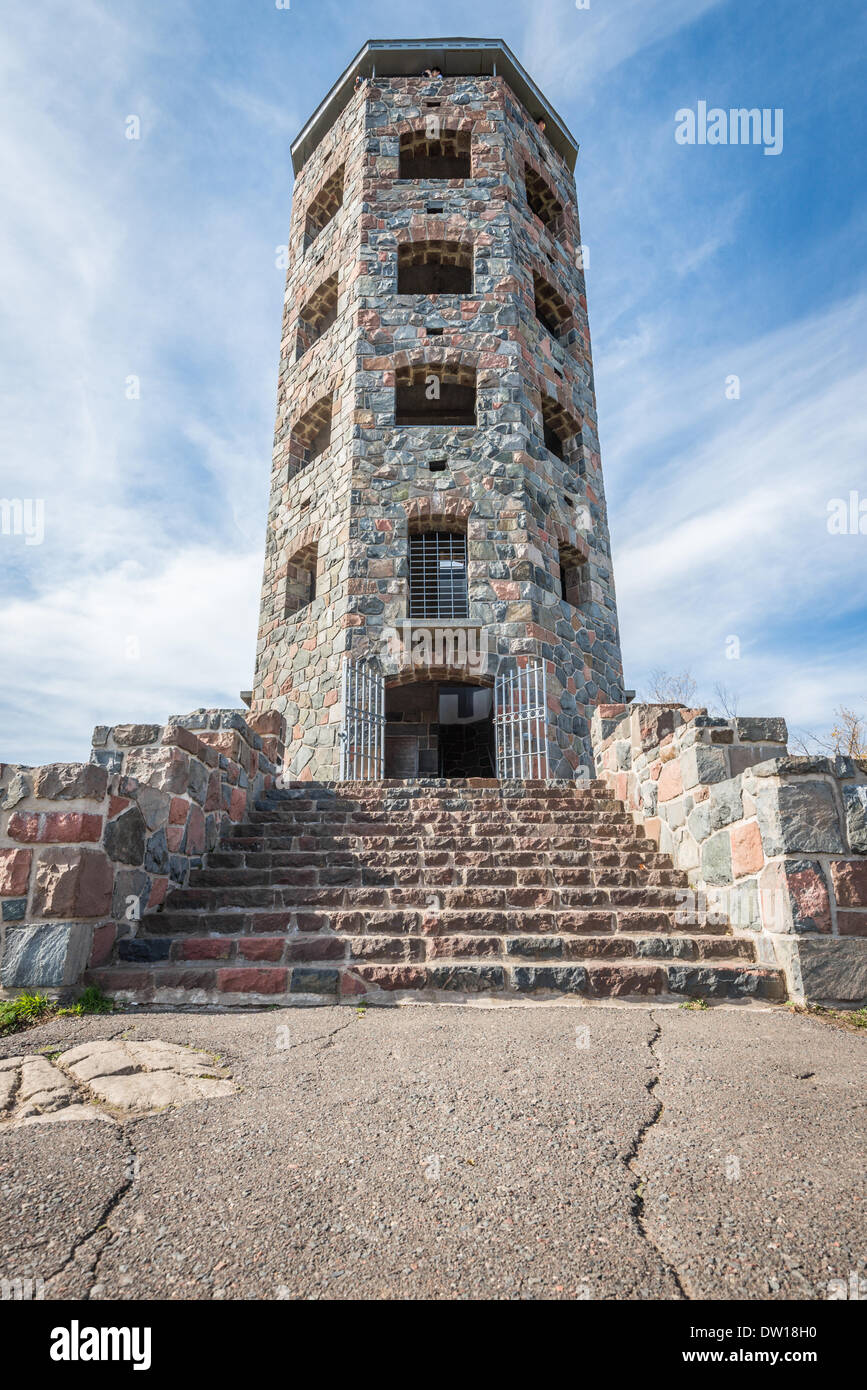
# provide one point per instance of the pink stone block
(747, 853)
(670, 780)
(14, 872)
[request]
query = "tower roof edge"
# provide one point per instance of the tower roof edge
(454, 57)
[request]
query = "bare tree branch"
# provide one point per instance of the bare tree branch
(666, 689)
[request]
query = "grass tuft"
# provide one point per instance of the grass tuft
(23, 1012)
(26, 1010)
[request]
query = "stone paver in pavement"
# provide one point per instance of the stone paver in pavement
(126, 1076)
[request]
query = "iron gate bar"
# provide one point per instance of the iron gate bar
(362, 756)
(521, 723)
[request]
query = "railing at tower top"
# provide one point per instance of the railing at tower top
(521, 723)
(362, 752)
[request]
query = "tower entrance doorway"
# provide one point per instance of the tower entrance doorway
(439, 729)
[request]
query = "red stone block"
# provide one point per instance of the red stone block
(178, 810)
(852, 923)
(110, 980)
(72, 883)
(809, 895)
(262, 947)
(849, 877)
(103, 941)
(252, 981)
(196, 830)
(206, 948)
(179, 737)
(23, 825)
(116, 804)
(174, 837)
(70, 827)
(350, 984)
(159, 888)
(213, 800)
(393, 976)
(14, 872)
(237, 804)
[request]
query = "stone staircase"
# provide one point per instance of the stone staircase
(440, 889)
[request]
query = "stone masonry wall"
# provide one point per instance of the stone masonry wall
(518, 500)
(775, 844)
(87, 849)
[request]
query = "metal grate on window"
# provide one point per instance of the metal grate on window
(438, 575)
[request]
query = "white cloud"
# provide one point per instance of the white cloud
(565, 48)
(719, 512)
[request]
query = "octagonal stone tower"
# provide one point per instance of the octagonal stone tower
(436, 464)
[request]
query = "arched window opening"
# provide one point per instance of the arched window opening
(317, 316)
(301, 579)
(434, 267)
(562, 433)
(311, 435)
(435, 395)
(552, 311)
(323, 206)
(542, 201)
(445, 157)
(573, 576)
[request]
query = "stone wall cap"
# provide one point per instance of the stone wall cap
(454, 57)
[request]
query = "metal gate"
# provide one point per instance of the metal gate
(362, 752)
(521, 723)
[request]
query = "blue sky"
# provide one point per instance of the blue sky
(155, 259)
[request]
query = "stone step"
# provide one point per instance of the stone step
(607, 861)
(343, 889)
(356, 920)
(516, 805)
(331, 947)
(717, 979)
(503, 820)
(498, 844)
(477, 876)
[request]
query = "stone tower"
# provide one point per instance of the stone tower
(436, 495)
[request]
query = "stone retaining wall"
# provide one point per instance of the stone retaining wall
(87, 849)
(774, 843)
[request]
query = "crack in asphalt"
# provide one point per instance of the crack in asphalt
(326, 1038)
(632, 1155)
(110, 1206)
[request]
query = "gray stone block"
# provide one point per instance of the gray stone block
(824, 970)
(726, 804)
(48, 956)
(716, 858)
(125, 837)
(798, 816)
(855, 804)
(703, 763)
(772, 730)
(698, 821)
